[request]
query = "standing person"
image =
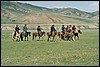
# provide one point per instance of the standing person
(25, 28)
(16, 30)
(39, 30)
(53, 29)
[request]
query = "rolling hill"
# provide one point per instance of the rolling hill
(21, 13)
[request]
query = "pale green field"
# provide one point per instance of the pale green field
(83, 52)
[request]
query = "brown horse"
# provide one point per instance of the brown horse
(65, 34)
(60, 34)
(35, 34)
(53, 35)
(72, 35)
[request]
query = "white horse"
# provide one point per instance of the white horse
(16, 37)
(76, 34)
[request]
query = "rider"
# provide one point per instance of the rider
(39, 30)
(25, 28)
(53, 29)
(69, 28)
(16, 30)
(74, 27)
(63, 29)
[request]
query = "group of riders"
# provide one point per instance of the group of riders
(17, 29)
(69, 28)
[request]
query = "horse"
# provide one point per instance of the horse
(53, 35)
(76, 34)
(16, 36)
(65, 35)
(72, 35)
(26, 34)
(60, 34)
(35, 34)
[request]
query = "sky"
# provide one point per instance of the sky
(88, 6)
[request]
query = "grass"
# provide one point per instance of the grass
(83, 52)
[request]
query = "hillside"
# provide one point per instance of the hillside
(21, 13)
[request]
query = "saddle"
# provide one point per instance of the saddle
(24, 33)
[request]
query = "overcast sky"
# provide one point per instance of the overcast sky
(88, 6)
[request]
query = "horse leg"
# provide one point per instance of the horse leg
(48, 37)
(60, 37)
(19, 38)
(39, 37)
(78, 37)
(16, 38)
(27, 38)
(68, 37)
(42, 38)
(22, 39)
(13, 38)
(33, 37)
(65, 37)
(54, 38)
(73, 38)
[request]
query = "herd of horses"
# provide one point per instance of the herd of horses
(64, 36)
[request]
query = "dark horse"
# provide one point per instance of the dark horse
(35, 34)
(76, 34)
(25, 35)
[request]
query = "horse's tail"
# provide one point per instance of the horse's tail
(44, 33)
(21, 36)
(48, 34)
(13, 36)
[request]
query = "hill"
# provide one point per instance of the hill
(76, 12)
(21, 13)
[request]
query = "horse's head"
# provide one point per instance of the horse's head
(56, 33)
(44, 33)
(48, 33)
(79, 31)
(35, 33)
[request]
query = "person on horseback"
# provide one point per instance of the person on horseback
(39, 30)
(69, 28)
(69, 31)
(25, 29)
(63, 28)
(16, 30)
(53, 29)
(74, 27)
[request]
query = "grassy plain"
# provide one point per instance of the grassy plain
(83, 52)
